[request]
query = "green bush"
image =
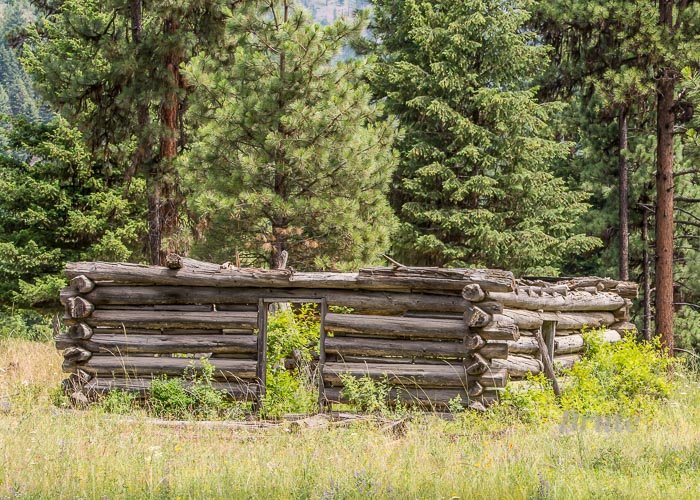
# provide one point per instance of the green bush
(625, 378)
(119, 402)
(24, 324)
(365, 393)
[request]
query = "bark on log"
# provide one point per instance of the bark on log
(574, 301)
(141, 387)
(518, 366)
(167, 307)
(145, 367)
(76, 354)
(372, 279)
(412, 375)
(119, 344)
(171, 319)
(475, 364)
(532, 320)
(360, 301)
(82, 284)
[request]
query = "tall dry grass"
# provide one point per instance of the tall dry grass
(47, 452)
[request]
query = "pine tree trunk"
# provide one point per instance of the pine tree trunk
(664, 192)
(624, 196)
(646, 272)
(164, 198)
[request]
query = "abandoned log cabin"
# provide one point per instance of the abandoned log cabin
(432, 334)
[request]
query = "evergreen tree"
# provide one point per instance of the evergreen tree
(56, 205)
(113, 68)
(291, 157)
(474, 185)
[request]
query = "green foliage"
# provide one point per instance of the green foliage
(293, 333)
(118, 402)
(26, 324)
(624, 378)
(290, 153)
(366, 394)
(57, 204)
(191, 397)
(474, 185)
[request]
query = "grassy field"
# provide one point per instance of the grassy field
(49, 452)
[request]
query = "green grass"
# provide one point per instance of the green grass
(48, 452)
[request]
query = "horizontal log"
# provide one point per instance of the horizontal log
(524, 345)
(568, 345)
(80, 331)
(478, 318)
(566, 361)
(165, 307)
(436, 398)
(531, 320)
(118, 344)
(372, 279)
(76, 354)
(412, 375)
(361, 301)
(518, 366)
(353, 346)
(145, 367)
(473, 293)
(574, 301)
(172, 319)
(392, 326)
(623, 326)
(449, 278)
(141, 387)
(501, 328)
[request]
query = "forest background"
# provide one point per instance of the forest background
(518, 134)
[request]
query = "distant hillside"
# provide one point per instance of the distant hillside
(17, 96)
(326, 11)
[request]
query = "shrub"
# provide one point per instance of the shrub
(365, 393)
(119, 402)
(24, 324)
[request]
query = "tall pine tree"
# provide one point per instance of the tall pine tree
(113, 68)
(292, 158)
(474, 185)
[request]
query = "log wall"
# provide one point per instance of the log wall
(431, 334)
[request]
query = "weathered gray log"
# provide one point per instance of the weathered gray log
(501, 328)
(574, 301)
(171, 319)
(451, 279)
(432, 398)
(141, 387)
(566, 361)
(173, 261)
(392, 326)
(532, 320)
(379, 302)
(80, 331)
(118, 344)
(625, 289)
(477, 317)
(568, 345)
(412, 375)
(78, 308)
(517, 366)
(353, 346)
(373, 279)
(547, 365)
(131, 366)
(475, 364)
(76, 354)
(612, 336)
(82, 284)
(524, 345)
(166, 307)
(623, 326)
(473, 293)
